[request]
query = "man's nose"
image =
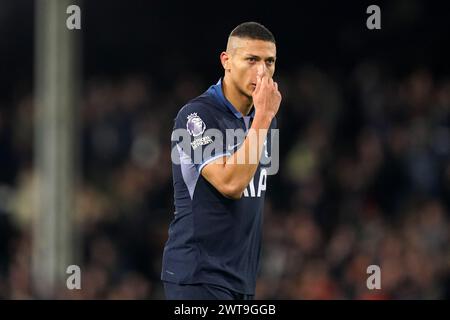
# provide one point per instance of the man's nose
(262, 68)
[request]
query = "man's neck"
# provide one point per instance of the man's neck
(241, 102)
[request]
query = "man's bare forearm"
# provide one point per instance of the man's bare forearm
(239, 168)
(231, 175)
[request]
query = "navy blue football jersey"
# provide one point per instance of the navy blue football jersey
(213, 239)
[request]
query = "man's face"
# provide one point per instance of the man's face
(244, 58)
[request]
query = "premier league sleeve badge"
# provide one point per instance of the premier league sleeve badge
(195, 125)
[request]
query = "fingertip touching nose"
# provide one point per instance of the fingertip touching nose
(262, 70)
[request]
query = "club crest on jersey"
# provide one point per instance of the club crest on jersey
(195, 125)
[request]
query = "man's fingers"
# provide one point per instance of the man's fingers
(262, 83)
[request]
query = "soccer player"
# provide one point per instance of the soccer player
(214, 243)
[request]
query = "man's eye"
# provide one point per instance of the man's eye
(251, 59)
(270, 62)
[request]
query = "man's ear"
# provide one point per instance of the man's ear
(225, 60)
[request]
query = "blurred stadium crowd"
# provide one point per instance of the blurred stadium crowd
(364, 179)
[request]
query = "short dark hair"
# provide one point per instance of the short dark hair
(252, 30)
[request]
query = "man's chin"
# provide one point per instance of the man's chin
(248, 92)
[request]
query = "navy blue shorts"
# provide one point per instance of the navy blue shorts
(202, 291)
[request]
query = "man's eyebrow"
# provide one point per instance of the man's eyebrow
(249, 55)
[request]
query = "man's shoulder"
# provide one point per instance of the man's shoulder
(204, 104)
